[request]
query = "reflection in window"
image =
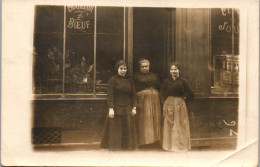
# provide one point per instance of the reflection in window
(79, 62)
(226, 73)
(110, 39)
(109, 51)
(48, 47)
(81, 36)
(225, 51)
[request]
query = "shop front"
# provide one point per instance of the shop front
(76, 47)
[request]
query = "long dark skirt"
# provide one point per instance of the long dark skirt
(120, 133)
(176, 129)
(149, 114)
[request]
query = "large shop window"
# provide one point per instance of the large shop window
(76, 47)
(224, 51)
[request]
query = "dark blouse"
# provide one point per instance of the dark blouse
(120, 94)
(178, 88)
(144, 81)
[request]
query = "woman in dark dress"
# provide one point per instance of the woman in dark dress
(148, 102)
(175, 92)
(120, 132)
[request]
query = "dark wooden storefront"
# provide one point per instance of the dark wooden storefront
(162, 35)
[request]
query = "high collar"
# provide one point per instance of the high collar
(144, 73)
(174, 79)
(119, 76)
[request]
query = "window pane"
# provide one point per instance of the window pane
(236, 31)
(109, 51)
(225, 64)
(80, 19)
(49, 19)
(110, 20)
(110, 40)
(79, 63)
(48, 49)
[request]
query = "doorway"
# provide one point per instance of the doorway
(153, 34)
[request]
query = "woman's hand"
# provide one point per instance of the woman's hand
(111, 113)
(133, 111)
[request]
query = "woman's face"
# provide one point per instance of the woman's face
(144, 67)
(174, 71)
(122, 70)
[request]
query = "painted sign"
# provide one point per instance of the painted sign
(221, 30)
(80, 19)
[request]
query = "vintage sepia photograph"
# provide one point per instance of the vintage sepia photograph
(128, 83)
(180, 73)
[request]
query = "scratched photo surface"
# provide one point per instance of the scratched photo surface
(76, 48)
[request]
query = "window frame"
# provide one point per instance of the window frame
(127, 46)
(233, 93)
